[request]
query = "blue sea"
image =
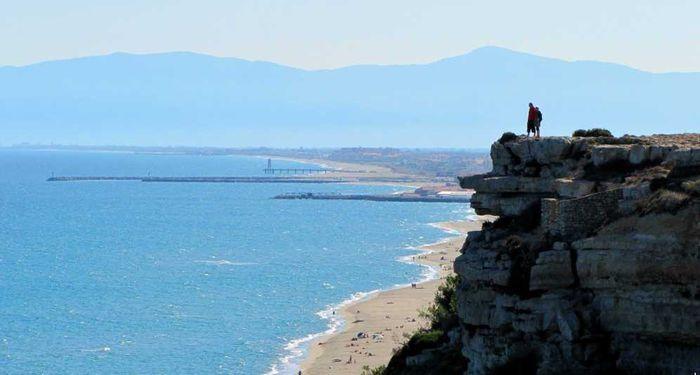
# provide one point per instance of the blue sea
(162, 278)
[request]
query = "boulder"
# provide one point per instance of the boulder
(658, 313)
(685, 157)
(658, 153)
(501, 158)
(495, 204)
(547, 150)
(570, 188)
(482, 265)
(552, 270)
(610, 154)
(485, 307)
(612, 268)
(508, 184)
(639, 154)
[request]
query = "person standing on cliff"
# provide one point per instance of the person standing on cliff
(531, 120)
(538, 122)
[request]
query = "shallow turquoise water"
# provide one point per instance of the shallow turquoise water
(130, 277)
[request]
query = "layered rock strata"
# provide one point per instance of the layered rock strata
(593, 265)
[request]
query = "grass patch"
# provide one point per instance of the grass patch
(663, 201)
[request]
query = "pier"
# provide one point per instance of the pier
(235, 179)
(297, 170)
(214, 179)
(271, 170)
(403, 197)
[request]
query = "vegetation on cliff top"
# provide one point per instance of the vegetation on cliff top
(595, 132)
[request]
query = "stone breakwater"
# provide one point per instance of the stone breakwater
(593, 265)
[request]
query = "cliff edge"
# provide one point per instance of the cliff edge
(594, 263)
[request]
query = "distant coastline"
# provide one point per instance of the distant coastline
(401, 164)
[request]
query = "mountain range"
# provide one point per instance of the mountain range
(466, 101)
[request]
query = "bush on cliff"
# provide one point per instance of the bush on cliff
(442, 314)
(692, 186)
(366, 370)
(436, 356)
(507, 137)
(595, 132)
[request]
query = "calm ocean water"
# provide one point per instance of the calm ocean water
(162, 278)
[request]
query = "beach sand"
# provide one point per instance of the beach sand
(346, 170)
(388, 317)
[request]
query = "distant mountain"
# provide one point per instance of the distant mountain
(464, 101)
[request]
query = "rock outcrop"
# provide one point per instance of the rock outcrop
(593, 265)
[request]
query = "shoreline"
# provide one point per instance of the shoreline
(386, 315)
(412, 182)
(323, 352)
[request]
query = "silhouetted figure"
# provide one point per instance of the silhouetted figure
(539, 121)
(531, 120)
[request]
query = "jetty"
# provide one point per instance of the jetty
(213, 179)
(246, 179)
(297, 170)
(401, 197)
(271, 170)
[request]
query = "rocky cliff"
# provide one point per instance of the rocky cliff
(593, 265)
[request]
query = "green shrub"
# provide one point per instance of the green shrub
(427, 338)
(442, 313)
(595, 132)
(692, 186)
(507, 137)
(374, 371)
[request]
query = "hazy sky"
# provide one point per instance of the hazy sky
(652, 35)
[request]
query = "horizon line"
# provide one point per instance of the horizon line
(21, 145)
(438, 60)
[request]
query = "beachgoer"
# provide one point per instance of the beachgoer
(531, 119)
(538, 122)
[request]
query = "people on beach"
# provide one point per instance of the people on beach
(534, 119)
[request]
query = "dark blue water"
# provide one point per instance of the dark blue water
(131, 277)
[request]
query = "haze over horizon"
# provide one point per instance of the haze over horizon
(317, 73)
(465, 101)
(314, 34)
(434, 60)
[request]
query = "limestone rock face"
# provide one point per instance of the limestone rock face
(593, 266)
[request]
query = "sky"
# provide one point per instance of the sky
(652, 35)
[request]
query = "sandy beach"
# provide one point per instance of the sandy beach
(343, 169)
(388, 318)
